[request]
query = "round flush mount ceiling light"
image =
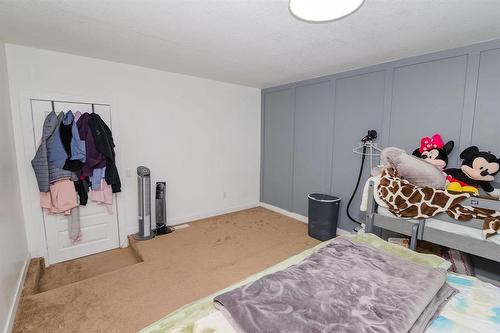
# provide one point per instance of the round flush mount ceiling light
(319, 11)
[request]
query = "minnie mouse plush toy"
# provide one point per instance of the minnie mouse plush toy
(434, 151)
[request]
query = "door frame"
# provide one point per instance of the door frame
(25, 147)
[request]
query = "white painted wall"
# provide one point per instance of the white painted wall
(200, 136)
(13, 247)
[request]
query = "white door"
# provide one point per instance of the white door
(99, 229)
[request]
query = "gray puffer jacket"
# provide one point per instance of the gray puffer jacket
(46, 172)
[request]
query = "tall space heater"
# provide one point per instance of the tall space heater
(144, 201)
(161, 209)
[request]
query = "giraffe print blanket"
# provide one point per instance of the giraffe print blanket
(406, 200)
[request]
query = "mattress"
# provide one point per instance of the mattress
(454, 228)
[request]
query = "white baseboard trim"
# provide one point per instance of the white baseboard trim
(191, 218)
(343, 232)
(296, 216)
(282, 211)
(17, 297)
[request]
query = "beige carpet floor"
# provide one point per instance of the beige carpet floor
(115, 292)
(72, 271)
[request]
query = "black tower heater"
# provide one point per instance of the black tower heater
(161, 209)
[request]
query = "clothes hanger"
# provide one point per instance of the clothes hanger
(368, 148)
(373, 149)
(52, 103)
(93, 108)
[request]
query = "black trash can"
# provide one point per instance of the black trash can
(323, 216)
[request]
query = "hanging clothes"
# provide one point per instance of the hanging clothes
(74, 229)
(75, 142)
(104, 143)
(78, 151)
(95, 179)
(65, 131)
(78, 114)
(103, 196)
(73, 145)
(47, 172)
(61, 198)
(56, 152)
(94, 158)
(82, 189)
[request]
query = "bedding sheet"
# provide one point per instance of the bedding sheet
(201, 316)
(344, 287)
(475, 309)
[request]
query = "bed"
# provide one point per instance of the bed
(441, 230)
(475, 308)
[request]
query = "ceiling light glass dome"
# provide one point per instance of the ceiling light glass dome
(318, 11)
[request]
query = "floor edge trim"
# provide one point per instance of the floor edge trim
(296, 216)
(11, 317)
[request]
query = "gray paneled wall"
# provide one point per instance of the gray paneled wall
(486, 130)
(278, 143)
(427, 98)
(312, 153)
(310, 127)
(360, 94)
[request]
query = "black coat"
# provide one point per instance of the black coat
(105, 145)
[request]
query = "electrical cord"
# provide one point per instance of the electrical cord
(363, 156)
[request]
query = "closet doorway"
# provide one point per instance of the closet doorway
(99, 228)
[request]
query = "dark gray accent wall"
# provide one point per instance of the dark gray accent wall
(364, 94)
(310, 127)
(486, 129)
(312, 142)
(427, 98)
(278, 143)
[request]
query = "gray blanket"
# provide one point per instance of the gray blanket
(343, 287)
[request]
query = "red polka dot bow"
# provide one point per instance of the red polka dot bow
(427, 143)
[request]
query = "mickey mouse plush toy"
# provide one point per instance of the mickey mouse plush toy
(478, 170)
(434, 151)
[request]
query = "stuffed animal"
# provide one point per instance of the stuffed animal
(478, 170)
(434, 151)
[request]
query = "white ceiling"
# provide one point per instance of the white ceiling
(253, 42)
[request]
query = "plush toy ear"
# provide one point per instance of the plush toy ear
(416, 152)
(448, 147)
(468, 151)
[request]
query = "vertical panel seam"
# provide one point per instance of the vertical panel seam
(476, 90)
(464, 100)
(390, 95)
(291, 208)
(262, 138)
(469, 100)
(332, 143)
